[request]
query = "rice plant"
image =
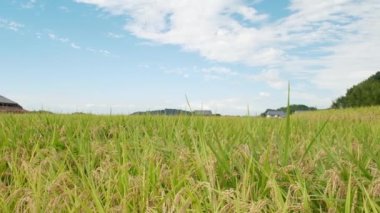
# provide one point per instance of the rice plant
(88, 163)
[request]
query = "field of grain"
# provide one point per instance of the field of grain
(325, 161)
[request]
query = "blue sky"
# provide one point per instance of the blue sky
(225, 55)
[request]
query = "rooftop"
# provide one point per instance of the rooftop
(6, 100)
(275, 112)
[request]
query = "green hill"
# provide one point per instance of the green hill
(366, 93)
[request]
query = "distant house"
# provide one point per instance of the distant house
(270, 113)
(202, 112)
(7, 105)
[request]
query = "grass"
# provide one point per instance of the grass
(83, 163)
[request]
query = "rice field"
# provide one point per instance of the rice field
(324, 161)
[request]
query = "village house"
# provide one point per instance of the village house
(270, 113)
(7, 105)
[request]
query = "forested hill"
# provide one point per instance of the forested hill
(366, 93)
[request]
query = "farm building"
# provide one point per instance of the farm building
(7, 105)
(270, 113)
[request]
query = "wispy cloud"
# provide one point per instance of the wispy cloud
(100, 51)
(29, 4)
(211, 31)
(331, 44)
(55, 37)
(183, 72)
(63, 40)
(114, 35)
(264, 94)
(208, 73)
(10, 25)
(17, 27)
(310, 99)
(271, 77)
(217, 72)
(64, 9)
(74, 45)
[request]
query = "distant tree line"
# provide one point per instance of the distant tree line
(297, 107)
(366, 93)
(293, 108)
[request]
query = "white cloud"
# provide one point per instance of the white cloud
(217, 73)
(10, 25)
(55, 37)
(250, 14)
(104, 52)
(114, 35)
(310, 99)
(271, 77)
(353, 28)
(208, 73)
(64, 9)
(100, 51)
(210, 31)
(73, 45)
(183, 72)
(29, 4)
(329, 43)
(264, 94)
